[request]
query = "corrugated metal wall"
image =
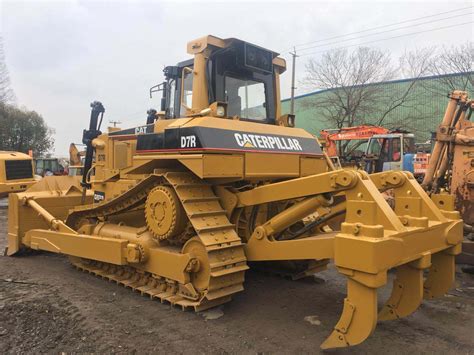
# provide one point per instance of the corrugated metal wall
(421, 114)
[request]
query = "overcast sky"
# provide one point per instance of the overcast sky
(64, 54)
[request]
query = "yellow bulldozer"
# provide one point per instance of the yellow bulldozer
(218, 180)
(16, 172)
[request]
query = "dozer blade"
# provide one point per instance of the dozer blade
(358, 319)
(53, 195)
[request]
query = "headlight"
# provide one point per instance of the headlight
(220, 111)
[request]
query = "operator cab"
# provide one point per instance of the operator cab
(393, 151)
(241, 81)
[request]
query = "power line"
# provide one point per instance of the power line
(142, 112)
(134, 121)
(377, 28)
(388, 38)
(378, 33)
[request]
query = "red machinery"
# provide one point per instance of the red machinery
(348, 143)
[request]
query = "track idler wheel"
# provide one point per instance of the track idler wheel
(200, 276)
(165, 216)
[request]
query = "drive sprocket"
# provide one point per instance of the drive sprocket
(164, 214)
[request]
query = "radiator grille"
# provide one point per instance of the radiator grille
(18, 169)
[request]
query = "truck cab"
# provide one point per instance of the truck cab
(392, 151)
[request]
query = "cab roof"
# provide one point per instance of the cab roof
(9, 155)
(213, 42)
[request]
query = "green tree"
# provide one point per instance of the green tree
(22, 130)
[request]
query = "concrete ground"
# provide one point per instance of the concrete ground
(48, 306)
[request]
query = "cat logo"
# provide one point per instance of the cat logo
(140, 130)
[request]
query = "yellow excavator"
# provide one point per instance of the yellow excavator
(76, 165)
(218, 180)
(16, 172)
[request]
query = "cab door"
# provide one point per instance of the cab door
(393, 157)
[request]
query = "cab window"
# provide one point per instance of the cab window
(396, 152)
(384, 153)
(172, 90)
(409, 145)
(187, 89)
(374, 147)
(245, 98)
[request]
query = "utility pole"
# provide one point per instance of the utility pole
(292, 105)
(115, 123)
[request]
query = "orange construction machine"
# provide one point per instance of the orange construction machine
(348, 143)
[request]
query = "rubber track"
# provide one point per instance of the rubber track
(227, 262)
